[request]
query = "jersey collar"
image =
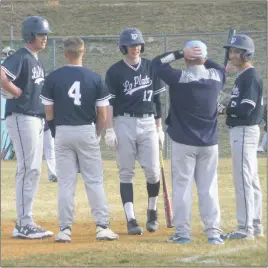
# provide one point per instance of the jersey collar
(29, 50)
(133, 68)
(244, 71)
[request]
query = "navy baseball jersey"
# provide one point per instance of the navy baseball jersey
(246, 105)
(193, 116)
(75, 91)
(26, 71)
(133, 88)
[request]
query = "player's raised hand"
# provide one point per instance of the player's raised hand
(110, 138)
(192, 53)
(161, 136)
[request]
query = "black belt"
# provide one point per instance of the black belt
(136, 115)
(35, 115)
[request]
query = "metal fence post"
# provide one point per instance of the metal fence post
(53, 54)
(166, 105)
(11, 35)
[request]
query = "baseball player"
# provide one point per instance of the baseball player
(192, 127)
(7, 149)
(136, 106)
(71, 94)
(22, 76)
(49, 153)
(244, 113)
(263, 146)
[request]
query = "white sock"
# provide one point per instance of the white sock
(152, 203)
(129, 210)
(264, 140)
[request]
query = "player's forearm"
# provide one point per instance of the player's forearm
(7, 85)
(49, 112)
(101, 119)
(109, 120)
(158, 122)
(242, 111)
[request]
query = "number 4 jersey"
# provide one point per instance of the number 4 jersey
(75, 92)
(133, 88)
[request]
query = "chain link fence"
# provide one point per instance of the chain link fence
(103, 51)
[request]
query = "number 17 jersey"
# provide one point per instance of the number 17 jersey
(132, 88)
(75, 91)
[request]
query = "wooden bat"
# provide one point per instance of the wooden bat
(231, 33)
(167, 204)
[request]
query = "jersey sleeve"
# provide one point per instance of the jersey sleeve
(103, 94)
(159, 85)
(110, 82)
(47, 94)
(12, 66)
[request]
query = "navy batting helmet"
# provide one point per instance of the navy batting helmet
(32, 26)
(243, 42)
(129, 37)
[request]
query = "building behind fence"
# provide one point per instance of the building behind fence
(103, 51)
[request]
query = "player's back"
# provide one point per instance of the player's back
(76, 90)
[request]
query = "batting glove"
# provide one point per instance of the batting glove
(221, 108)
(6, 94)
(161, 136)
(110, 138)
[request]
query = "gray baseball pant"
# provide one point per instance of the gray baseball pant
(26, 133)
(199, 164)
(137, 139)
(49, 153)
(244, 143)
(78, 145)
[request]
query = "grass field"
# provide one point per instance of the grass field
(146, 250)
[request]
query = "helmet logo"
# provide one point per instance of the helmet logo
(45, 24)
(233, 40)
(134, 36)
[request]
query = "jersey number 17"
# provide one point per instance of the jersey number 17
(74, 93)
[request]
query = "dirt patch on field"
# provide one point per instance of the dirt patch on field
(83, 237)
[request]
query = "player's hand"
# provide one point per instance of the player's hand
(110, 138)
(192, 53)
(161, 136)
(7, 95)
(221, 108)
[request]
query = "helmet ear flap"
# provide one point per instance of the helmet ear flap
(246, 55)
(123, 50)
(142, 48)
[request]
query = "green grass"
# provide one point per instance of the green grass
(146, 250)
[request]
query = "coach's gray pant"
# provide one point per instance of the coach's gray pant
(199, 164)
(244, 143)
(78, 145)
(26, 133)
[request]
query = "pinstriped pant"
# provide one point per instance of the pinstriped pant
(244, 143)
(26, 133)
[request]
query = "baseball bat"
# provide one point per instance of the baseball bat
(231, 33)
(167, 203)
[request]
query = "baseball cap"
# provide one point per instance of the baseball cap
(200, 44)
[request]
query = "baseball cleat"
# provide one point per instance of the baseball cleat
(64, 236)
(261, 149)
(53, 178)
(258, 233)
(178, 239)
(237, 235)
(133, 228)
(152, 224)
(30, 231)
(105, 234)
(215, 241)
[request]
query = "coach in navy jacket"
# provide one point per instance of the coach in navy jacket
(192, 127)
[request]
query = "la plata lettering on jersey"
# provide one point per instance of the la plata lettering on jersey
(37, 72)
(138, 81)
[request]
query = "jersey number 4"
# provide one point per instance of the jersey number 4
(74, 93)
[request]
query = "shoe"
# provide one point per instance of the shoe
(152, 224)
(178, 239)
(215, 241)
(105, 234)
(133, 228)
(64, 236)
(260, 149)
(237, 235)
(30, 231)
(258, 233)
(53, 178)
